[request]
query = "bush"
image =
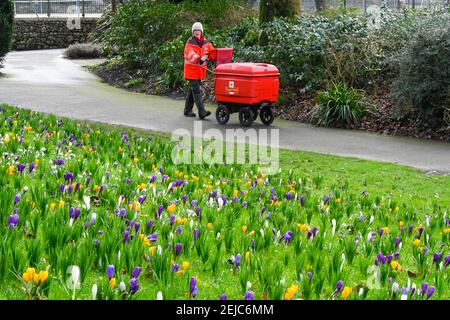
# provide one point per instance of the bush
(338, 106)
(83, 51)
(422, 88)
(6, 26)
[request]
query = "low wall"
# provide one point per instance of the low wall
(50, 33)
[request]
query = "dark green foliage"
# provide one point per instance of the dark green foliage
(422, 87)
(6, 26)
(339, 105)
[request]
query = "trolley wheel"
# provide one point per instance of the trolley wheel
(266, 115)
(222, 114)
(255, 114)
(246, 117)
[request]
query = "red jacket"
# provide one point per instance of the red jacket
(193, 51)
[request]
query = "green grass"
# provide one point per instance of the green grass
(393, 194)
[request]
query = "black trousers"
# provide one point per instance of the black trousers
(194, 94)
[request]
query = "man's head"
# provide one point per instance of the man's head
(197, 29)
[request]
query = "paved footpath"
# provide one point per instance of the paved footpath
(44, 81)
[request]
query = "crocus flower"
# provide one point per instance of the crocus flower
(446, 261)
(223, 297)
(122, 286)
(314, 231)
(302, 200)
(21, 167)
(288, 196)
(141, 199)
(150, 224)
(134, 285)
(397, 242)
(195, 234)
(136, 272)
(68, 176)
(339, 286)
(249, 295)
(17, 198)
(184, 198)
(192, 284)
(287, 237)
(110, 270)
(437, 257)
(137, 226)
(431, 291)
(160, 210)
(244, 204)
(126, 236)
(13, 220)
(153, 237)
(172, 219)
(88, 181)
(404, 294)
(424, 288)
(193, 203)
(310, 275)
(178, 248)
(179, 230)
(238, 260)
(123, 213)
(70, 189)
(175, 267)
(31, 167)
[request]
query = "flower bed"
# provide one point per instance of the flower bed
(88, 211)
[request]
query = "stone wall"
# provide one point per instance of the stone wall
(50, 33)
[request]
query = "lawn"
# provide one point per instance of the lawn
(89, 209)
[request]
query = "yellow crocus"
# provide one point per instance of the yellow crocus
(179, 273)
(291, 292)
(209, 225)
(36, 163)
(43, 275)
(112, 282)
(26, 277)
(152, 250)
(136, 160)
(247, 257)
(244, 229)
(385, 230)
(185, 265)
(446, 231)
(235, 193)
(52, 206)
(96, 188)
(171, 208)
(402, 224)
(394, 264)
(346, 292)
(11, 170)
(251, 233)
(61, 204)
(416, 242)
(248, 183)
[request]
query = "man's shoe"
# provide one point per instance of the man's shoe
(189, 114)
(204, 113)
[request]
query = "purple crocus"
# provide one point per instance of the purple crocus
(302, 200)
(244, 204)
(17, 198)
(134, 285)
(178, 248)
(238, 260)
(310, 275)
(21, 167)
(88, 181)
(410, 228)
(160, 210)
(437, 257)
(110, 270)
(192, 284)
(314, 231)
(223, 297)
(249, 295)
(339, 287)
(31, 167)
(153, 237)
(123, 213)
(141, 199)
(126, 236)
(150, 224)
(184, 198)
(193, 203)
(397, 242)
(288, 196)
(287, 237)
(195, 234)
(137, 226)
(431, 291)
(326, 199)
(172, 219)
(13, 220)
(136, 272)
(446, 261)
(424, 288)
(179, 230)
(68, 176)
(175, 267)
(70, 189)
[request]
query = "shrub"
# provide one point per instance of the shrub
(338, 106)
(6, 26)
(422, 88)
(83, 51)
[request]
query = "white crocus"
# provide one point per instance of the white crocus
(122, 286)
(159, 296)
(94, 292)
(249, 285)
(333, 229)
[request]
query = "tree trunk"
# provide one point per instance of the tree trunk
(320, 5)
(113, 5)
(269, 9)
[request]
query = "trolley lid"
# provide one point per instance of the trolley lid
(247, 69)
